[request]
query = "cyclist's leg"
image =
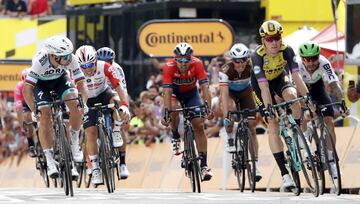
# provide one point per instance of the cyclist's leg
(231, 128)
(287, 91)
(46, 133)
(30, 133)
(66, 90)
(91, 141)
(175, 123)
(275, 143)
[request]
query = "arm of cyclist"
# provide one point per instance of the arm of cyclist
(28, 93)
(204, 87)
(167, 106)
(224, 95)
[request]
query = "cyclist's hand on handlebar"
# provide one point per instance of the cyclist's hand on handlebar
(210, 115)
(344, 111)
(165, 121)
(268, 113)
(124, 113)
(226, 122)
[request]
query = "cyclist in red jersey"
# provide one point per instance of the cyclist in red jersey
(180, 77)
(23, 112)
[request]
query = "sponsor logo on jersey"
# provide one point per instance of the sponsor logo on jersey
(43, 60)
(329, 71)
(179, 81)
(257, 69)
(54, 71)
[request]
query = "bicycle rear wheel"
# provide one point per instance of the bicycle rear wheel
(307, 161)
(105, 163)
(335, 181)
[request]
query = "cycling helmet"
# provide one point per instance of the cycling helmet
(239, 50)
(24, 73)
(270, 27)
(183, 50)
(106, 54)
(86, 54)
(59, 45)
(309, 49)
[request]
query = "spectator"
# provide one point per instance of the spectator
(353, 92)
(38, 8)
(15, 8)
(153, 91)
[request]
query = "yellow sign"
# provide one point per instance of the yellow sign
(208, 37)
(10, 75)
(84, 2)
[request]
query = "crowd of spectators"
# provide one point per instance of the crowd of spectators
(32, 8)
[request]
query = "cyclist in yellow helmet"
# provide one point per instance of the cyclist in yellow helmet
(273, 62)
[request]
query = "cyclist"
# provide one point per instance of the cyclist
(48, 73)
(234, 81)
(23, 112)
(96, 73)
(313, 67)
(108, 55)
(272, 61)
(180, 75)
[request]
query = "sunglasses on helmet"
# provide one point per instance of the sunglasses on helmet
(240, 60)
(183, 59)
(87, 66)
(272, 38)
(311, 59)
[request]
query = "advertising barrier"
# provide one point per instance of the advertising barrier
(208, 37)
(10, 74)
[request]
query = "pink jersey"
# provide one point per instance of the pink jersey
(18, 96)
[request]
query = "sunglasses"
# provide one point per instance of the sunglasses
(87, 66)
(67, 57)
(311, 59)
(240, 60)
(183, 60)
(272, 38)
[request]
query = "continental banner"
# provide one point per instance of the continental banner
(10, 74)
(208, 37)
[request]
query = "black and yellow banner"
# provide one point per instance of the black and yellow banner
(85, 2)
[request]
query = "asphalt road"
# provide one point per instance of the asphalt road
(155, 196)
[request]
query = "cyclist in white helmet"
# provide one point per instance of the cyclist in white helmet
(97, 73)
(108, 55)
(48, 73)
(234, 81)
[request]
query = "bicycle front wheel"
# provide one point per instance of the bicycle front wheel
(105, 163)
(308, 167)
(251, 162)
(66, 158)
(193, 166)
(332, 161)
(239, 160)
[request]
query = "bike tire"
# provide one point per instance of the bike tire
(309, 171)
(316, 142)
(67, 176)
(104, 152)
(195, 165)
(294, 174)
(239, 157)
(41, 163)
(336, 182)
(250, 163)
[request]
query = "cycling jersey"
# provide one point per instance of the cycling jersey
(97, 83)
(236, 81)
(42, 69)
(267, 68)
(120, 73)
(183, 83)
(324, 70)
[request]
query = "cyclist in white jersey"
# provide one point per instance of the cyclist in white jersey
(97, 73)
(313, 67)
(48, 73)
(107, 54)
